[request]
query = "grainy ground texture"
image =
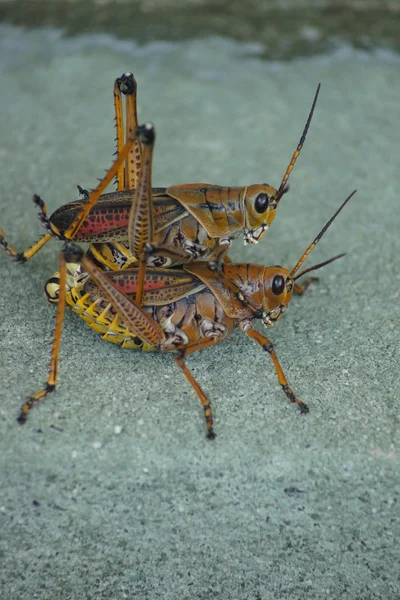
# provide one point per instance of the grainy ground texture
(111, 490)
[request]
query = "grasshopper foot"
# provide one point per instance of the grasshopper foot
(21, 418)
(210, 434)
(83, 192)
(303, 408)
(127, 84)
(300, 289)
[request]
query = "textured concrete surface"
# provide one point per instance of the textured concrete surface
(111, 490)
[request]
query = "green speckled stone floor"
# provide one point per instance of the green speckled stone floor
(111, 491)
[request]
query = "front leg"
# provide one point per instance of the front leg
(218, 255)
(268, 347)
(299, 289)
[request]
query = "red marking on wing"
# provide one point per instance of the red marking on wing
(100, 221)
(128, 285)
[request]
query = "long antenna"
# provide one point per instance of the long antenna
(299, 147)
(321, 233)
(319, 266)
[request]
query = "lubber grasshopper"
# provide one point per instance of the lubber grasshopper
(184, 310)
(183, 222)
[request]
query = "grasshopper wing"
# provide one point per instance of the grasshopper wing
(162, 286)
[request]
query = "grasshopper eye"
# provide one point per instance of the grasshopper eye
(278, 285)
(261, 203)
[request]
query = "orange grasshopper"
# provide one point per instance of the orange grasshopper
(184, 310)
(168, 226)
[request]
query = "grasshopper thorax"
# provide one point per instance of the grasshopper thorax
(260, 202)
(278, 285)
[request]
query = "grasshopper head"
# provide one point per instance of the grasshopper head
(261, 202)
(278, 286)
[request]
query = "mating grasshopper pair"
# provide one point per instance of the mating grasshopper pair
(121, 286)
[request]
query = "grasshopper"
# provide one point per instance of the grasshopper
(184, 310)
(160, 226)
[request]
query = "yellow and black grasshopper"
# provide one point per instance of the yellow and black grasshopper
(179, 311)
(218, 300)
(168, 226)
(184, 310)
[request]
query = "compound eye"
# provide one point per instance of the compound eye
(261, 203)
(278, 285)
